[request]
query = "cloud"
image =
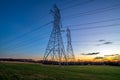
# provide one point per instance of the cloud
(102, 40)
(107, 42)
(94, 53)
(111, 55)
(98, 57)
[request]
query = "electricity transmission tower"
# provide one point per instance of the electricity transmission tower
(55, 49)
(70, 54)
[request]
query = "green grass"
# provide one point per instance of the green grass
(14, 71)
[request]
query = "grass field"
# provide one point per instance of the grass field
(22, 71)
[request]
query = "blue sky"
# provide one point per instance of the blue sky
(18, 17)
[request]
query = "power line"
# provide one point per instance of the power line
(29, 38)
(95, 27)
(94, 11)
(85, 28)
(29, 32)
(93, 23)
(35, 41)
(31, 43)
(64, 3)
(28, 43)
(78, 4)
(103, 21)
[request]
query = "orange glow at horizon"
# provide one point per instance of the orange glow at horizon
(81, 58)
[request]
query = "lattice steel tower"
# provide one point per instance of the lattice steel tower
(55, 49)
(70, 54)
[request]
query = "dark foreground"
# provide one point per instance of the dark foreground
(25, 71)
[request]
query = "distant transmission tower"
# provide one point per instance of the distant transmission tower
(70, 54)
(55, 49)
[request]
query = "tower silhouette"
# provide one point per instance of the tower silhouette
(70, 54)
(55, 49)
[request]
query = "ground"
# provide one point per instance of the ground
(26, 71)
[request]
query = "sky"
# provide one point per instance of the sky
(25, 27)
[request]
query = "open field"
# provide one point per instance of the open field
(24, 71)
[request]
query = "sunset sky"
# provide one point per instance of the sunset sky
(94, 24)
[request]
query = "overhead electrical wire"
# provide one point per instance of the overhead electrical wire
(29, 32)
(95, 27)
(91, 12)
(51, 21)
(86, 13)
(74, 5)
(87, 24)
(102, 21)
(84, 28)
(47, 24)
(28, 43)
(28, 40)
